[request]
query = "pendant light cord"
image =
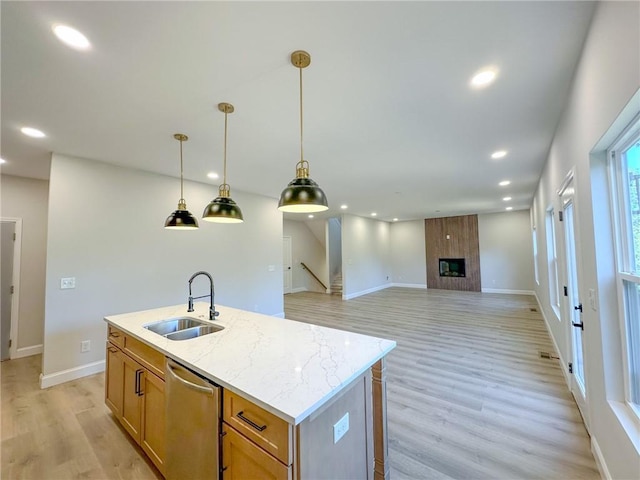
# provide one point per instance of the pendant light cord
(181, 174)
(301, 122)
(224, 174)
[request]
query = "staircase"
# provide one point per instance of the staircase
(336, 285)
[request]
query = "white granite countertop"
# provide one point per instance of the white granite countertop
(289, 368)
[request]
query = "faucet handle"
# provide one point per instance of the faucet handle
(213, 313)
(190, 307)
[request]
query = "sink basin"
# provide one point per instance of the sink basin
(182, 328)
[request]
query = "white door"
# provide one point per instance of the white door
(573, 303)
(7, 233)
(286, 264)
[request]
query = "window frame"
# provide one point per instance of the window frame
(623, 250)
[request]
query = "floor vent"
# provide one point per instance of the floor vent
(533, 309)
(549, 356)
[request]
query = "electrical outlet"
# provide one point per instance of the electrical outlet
(68, 282)
(340, 428)
(85, 346)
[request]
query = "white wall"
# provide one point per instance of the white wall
(27, 198)
(607, 77)
(366, 255)
(408, 254)
(506, 252)
(334, 240)
(306, 248)
(106, 230)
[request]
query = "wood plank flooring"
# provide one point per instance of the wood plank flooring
(468, 395)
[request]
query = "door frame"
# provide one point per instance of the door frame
(15, 299)
(290, 263)
(567, 198)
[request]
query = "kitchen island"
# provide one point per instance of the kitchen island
(303, 375)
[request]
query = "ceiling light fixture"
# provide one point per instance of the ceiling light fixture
(509, 208)
(71, 37)
(2, 160)
(32, 132)
(310, 215)
(181, 219)
(344, 207)
(504, 183)
(484, 78)
(302, 195)
(223, 209)
(213, 175)
(373, 214)
(506, 199)
(499, 154)
(395, 219)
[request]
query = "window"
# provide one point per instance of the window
(552, 259)
(624, 158)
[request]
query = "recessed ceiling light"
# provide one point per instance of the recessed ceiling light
(395, 219)
(2, 160)
(506, 199)
(213, 175)
(504, 183)
(373, 214)
(310, 216)
(509, 208)
(71, 37)
(499, 154)
(344, 207)
(484, 78)
(32, 132)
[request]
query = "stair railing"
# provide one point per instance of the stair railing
(304, 267)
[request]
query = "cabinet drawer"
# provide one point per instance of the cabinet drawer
(265, 429)
(146, 355)
(115, 336)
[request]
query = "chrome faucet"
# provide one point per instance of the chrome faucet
(212, 307)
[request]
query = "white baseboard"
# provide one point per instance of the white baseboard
(299, 289)
(597, 454)
(27, 351)
(512, 292)
(564, 366)
(278, 315)
(63, 376)
(409, 285)
(365, 292)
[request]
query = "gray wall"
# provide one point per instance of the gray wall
(506, 252)
(27, 198)
(366, 255)
(306, 248)
(408, 255)
(606, 79)
(106, 229)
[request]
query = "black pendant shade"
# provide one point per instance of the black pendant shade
(223, 209)
(181, 219)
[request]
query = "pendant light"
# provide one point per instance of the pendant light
(223, 209)
(181, 219)
(302, 195)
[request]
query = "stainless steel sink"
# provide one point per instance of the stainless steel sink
(182, 328)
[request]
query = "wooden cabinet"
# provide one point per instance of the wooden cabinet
(242, 459)
(135, 393)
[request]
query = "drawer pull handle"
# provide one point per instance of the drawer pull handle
(114, 334)
(250, 422)
(112, 349)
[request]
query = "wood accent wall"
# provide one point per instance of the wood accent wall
(462, 243)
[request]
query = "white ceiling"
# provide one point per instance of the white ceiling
(391, 124)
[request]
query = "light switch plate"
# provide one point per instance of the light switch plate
(340, 428)
(68, 282)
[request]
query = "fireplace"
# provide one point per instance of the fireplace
(452, 267)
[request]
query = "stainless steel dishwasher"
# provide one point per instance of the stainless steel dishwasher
(193, 425)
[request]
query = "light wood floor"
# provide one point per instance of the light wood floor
(468, 396)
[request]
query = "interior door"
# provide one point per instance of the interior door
(286, 264)
(7, 232)
(574, 307)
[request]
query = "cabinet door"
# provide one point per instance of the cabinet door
(132, 397)
(242, 459)
(114, 380)
(153, 419)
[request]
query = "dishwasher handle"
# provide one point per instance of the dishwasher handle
(188, 384)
